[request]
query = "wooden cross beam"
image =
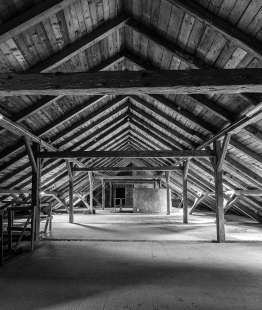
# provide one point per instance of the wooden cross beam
(160, 168)
(128, 177)
(135, 82)
(126, 154)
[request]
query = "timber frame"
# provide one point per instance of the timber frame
(117, 94)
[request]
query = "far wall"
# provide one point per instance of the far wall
(149, 200)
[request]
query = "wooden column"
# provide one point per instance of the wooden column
(103, 194)
(110, 194)
(1, 239)
(90, 174)
(219, 194)
(71, 191)
(36, 189)
(160, 183)
(168, 192)
(185, 204)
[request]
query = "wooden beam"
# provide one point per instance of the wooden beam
(31, 17)
(229, 31)
(135, 82)
(168, 194)
(36, 189)
(231, 203)
(81, 45)
(129, 177)
(185, 188)
(30, 154)
(21, 131)
(71, 191)
(245, 192)
(103, 194)
(23, 191)
(91, 185)
(198, 200)
(1, 238)
(128, 154)
(110, 194)
(219, 196)
(160, 168)
(223, 152)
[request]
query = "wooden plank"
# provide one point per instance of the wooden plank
(198, 200)
(127, 154)
(91, 185)
(136, 82)
(223, 152)
(103, 194)
(36, 189)
(228, 30)
(30, 155)
(31, 17)
(219, 196)
(78, 47)
(160, 168)
(1, 239)
(185, 189)
(168, 193)
(128, 177)
(71, 191)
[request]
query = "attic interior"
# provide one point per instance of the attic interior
(130, 160)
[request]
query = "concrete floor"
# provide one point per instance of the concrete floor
(145, 273)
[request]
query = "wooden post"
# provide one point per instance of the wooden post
(160, 183)
(36, 184)
(103, 194)
(110, 194)
(168, 192)
(185, 204)
(1, 239)
(71, 192)
(219, 194)
(90, 174)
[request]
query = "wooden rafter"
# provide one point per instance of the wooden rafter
(31, 17)
(80, 45)
(231, 32)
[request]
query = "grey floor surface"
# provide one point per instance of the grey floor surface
(135, 274)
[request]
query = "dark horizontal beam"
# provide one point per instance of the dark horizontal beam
(164, 168)
(133, 82)
(131, 154)
(129, 177)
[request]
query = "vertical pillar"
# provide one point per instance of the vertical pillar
(219, 194)
(103, 194)
(36, 188)
(184, 179)
(91, 191)
(110, 194)
(160, 183)
(71, 193)
(168, 192)
(1, 239)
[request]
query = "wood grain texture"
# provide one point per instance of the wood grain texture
(115, 83)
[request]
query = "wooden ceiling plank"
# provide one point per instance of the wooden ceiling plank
(231, 32)
(202, 100)
(81, 45)
(191, 60)
(31, 17)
